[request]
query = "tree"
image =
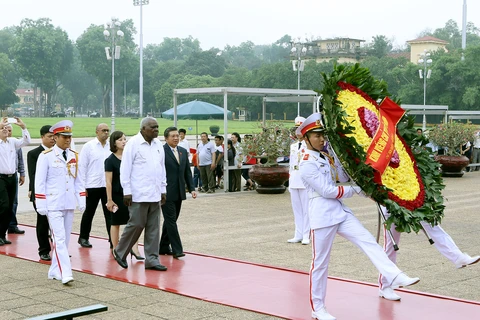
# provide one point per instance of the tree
(156, 74)
(81, 85)
(164, 95)
(242, 56)
(205, 63)
(43, 53)
(7, 40)
(380, 46)
(172, 49)
(8, 82)
(91, 45)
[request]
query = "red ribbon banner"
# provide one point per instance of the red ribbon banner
(381, 149)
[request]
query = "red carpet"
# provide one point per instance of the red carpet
(274, 291)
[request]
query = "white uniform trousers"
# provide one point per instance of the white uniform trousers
(61, 226)
(299, 199)
(443, 242)
(352, 230)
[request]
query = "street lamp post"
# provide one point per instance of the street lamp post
(298, 51)
(141, 3)
(112, 32)
(424, 74)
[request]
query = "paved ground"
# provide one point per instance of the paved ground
(251, 227)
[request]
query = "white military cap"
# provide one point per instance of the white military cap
(63, 127)
(312, 123)
(299, 120)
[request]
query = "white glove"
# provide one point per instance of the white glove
(81, 209)
(359, 191)
(42, 212)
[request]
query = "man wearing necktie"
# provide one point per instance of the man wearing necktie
(42, 226)
(179, 178)
(58, 191)
(298, 193)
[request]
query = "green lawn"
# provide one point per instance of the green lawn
(85, 127)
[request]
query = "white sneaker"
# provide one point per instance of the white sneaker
(322, 314)
(466, 260)
(388, 294)
(306, 241)
(294, 240)
(67, 280)
(402, 280)
(50, 277)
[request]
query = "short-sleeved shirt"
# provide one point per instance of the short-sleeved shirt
(205, 152)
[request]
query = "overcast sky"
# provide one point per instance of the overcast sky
(216, 23)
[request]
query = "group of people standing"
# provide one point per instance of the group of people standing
(132, 181)
(208, 163)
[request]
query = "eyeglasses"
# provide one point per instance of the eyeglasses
(105, 130)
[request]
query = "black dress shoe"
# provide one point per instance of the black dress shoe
(178, 255)
(166, 253)
(121, 263)
(16, 231)
(45, 257)
(1, 242)
(84, 243)
(5, 241)
(157, 268)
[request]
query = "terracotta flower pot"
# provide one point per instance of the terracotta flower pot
(270, 180)
(452, 166)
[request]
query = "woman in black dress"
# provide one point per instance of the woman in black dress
(120, 214)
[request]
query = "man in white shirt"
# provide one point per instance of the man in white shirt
(238, 161)
(184, 142)
(92, 169)
(8, 172)
(219, 159)
(13, 227)
(476, 150)
(207, 163)
(144, 181)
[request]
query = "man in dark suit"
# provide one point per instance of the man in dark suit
(179, 178)
(42, 222)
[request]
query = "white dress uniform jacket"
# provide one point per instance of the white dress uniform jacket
(325, 205)
(142, 171)
(57, 182)
(58, 188)
(296, 155)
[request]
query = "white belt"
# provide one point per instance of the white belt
(313, 194)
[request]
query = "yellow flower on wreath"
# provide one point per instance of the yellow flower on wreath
(402, 180)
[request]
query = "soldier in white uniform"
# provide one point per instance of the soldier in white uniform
(298, 193)
(329, 216)
(443, 242)
(58, 189)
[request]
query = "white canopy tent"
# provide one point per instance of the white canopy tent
(269, 95)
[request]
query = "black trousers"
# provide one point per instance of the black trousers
(8, 190)
(94, 195)
(42, 227)
(170, 235)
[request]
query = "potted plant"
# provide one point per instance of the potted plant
(271, 143)
(451, 136)
(214, 129)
